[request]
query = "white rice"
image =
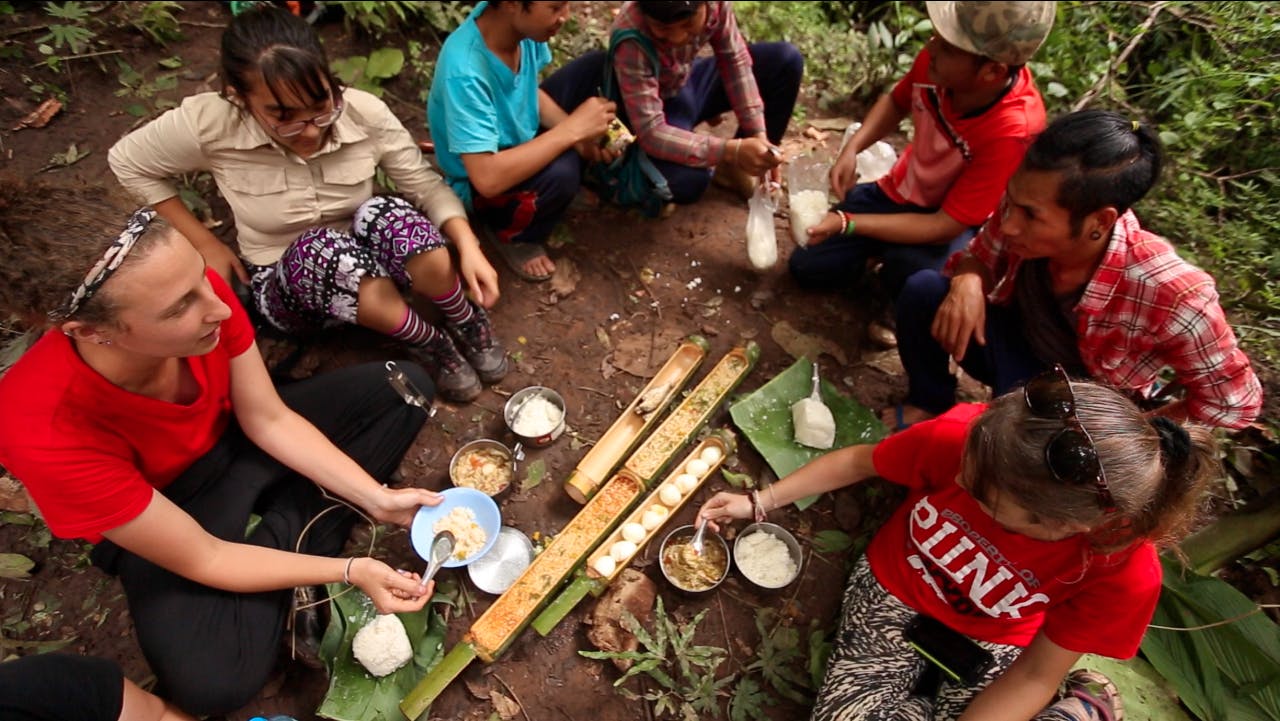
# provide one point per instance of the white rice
(807, 208)
(765, 560)
(536, 416)
(467, 534)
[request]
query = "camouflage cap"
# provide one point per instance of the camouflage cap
(1006, 32)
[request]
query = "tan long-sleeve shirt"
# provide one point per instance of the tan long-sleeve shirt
(275, 195)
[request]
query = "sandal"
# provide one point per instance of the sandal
(1096, 690)
(517, 254)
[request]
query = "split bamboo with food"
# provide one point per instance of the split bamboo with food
(636, 420)
(641, 526)
(499, 626)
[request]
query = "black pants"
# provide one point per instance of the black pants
(212, 650)
(60, 687)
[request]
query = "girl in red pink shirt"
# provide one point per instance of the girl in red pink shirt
(1027, 539)
(145, 422)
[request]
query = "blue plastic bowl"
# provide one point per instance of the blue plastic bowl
(422, 533)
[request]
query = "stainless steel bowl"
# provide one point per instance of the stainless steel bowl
(479, 444)
(684, 534)
(518, 399)
(773, 529)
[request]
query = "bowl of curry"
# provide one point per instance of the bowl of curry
(485, 465)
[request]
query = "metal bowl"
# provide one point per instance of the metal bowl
(773, 529)
(518, 399)
(481, 444)
(495, 571)
(682, 535)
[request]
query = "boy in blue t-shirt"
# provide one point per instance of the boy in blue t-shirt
(510, 152)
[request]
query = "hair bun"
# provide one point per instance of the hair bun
(1175, 442)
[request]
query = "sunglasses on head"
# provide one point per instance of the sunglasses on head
(1070, 454)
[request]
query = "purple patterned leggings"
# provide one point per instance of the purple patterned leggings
(316, 283)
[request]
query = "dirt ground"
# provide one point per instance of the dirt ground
(640, 286)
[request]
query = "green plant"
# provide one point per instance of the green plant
(146, 92)
(72, 34)
(685, 673)
(382, 19)
(156, 20)
(369, 72)
(422, 68)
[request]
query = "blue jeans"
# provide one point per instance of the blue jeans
(839, 261)
(777, 68)
(1004, 363)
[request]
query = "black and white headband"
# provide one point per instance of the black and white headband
(111, 260)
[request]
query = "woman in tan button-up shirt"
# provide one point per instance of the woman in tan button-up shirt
(294, 153)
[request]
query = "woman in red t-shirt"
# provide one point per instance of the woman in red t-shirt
(1027, 539)
(146, 417)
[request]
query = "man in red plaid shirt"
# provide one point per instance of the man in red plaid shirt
(1063, 273)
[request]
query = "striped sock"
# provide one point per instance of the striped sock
(414, 330)
(454, 305)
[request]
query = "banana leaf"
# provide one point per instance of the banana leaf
(1230, 671)
(764, 417)
(356, 695)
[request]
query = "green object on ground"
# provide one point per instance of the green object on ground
(354, 694)
(764, 417)
(1145, 694)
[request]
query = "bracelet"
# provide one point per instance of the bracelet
(736, 151)
(773, 498)
(847, 219)
(346, 572)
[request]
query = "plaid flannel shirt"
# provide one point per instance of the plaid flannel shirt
(644, 87)
(1145, 309)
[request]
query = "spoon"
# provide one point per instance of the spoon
(441, 547)
(696, 543)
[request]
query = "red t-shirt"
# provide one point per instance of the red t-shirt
(942, 555)
(961, 164)
(89, 452)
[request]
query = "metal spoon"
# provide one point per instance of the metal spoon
(696, 543)
(441, 548)
(400, 382)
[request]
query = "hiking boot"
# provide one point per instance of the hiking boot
(455, 380)
(482, 350)
(1096, 691)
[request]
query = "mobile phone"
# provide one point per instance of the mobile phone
(955, 654)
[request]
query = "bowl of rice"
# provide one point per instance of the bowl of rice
(767, 555)
(470, 515)
(535, 415)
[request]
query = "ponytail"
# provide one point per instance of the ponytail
(1189, 456)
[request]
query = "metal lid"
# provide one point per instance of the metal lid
(511, 554)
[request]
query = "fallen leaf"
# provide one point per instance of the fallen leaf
(565, 278)
(641, 354)
(799, 345)
(830, 123)
(72, 156)
(715, 301)
(760, 298)
(560, 237)
(13, 497)
(479, 689)
(738, 480)
(534, 474)
(887, 362)
(41, 116)
(602, 335)
(505, 707)
(647, 275)
(15, 565)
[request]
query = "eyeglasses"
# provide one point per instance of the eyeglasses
(1070, 454)
(323, 120)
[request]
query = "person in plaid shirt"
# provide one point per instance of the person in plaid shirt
(661, 105)
(1064, 273)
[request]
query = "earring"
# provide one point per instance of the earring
(1095, 235)
(106, 341)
